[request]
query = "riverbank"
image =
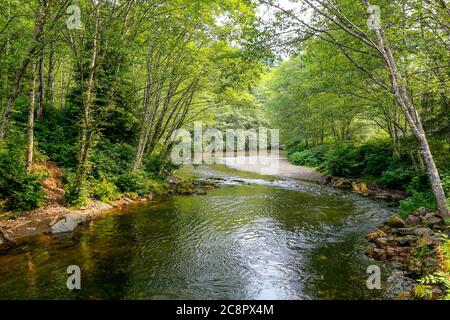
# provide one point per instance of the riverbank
(366, 189)
(55, 218)
(415, 246)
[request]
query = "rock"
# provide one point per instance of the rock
(414, 266)
(379, 254)
(431, 219)
(407, 240)
(423, 232)
(375, 235)
(172, 180)
(396, 221)
(412, 220)
(420, 212)
(405, 231)
(69, 223)
(341, 183)
(425, 241)
(399, 285)
(405, 295)
(381, 242)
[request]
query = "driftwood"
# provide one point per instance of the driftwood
(6, 236)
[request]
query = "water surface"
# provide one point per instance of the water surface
(256, 237)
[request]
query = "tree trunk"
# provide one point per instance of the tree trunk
(41, 86)
(414, 121)
(30, 145)
(87, 125)
(51, 67)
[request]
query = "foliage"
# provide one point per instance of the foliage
(74, 196)
(104, 190)
(21, 191)
(441, 278)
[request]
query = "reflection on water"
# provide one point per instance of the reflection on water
(256, 238)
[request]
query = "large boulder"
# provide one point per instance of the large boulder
(69, 223)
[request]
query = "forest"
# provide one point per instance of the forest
(97, 89)
(100, 93)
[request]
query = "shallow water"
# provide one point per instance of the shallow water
(255, 238)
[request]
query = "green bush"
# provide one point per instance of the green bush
(304, 158)
(111, 160)
(157, 167)
(445, 178)
(74, 197)
(377, 156)
(19, 190)
(397, 178)
(295, 148)
(133, 182)
(104, 190)
(343, 160)
(417, 200)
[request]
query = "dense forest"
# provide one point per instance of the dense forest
(96, 89)
(368, 104)
(99, 88)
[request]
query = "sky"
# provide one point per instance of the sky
(267, 12)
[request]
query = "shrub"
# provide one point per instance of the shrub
(445, 178)
(133, 182)
(19, 190)
(343, 160)
(417, 200)
(157, 167)
(377, 156)
(112, 159)
(104, 190)
(304, 158)
(74, 197)
(295, 148)
(397, 178)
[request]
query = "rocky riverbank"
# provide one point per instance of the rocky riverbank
(55, 218)
(365, 189)
(413, 246)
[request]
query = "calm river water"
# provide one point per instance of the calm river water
(256, 237)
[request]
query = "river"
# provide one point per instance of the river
(255, 237)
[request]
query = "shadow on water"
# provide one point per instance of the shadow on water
(259, 238)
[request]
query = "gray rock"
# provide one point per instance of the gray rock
(405, 231)
(397, 283)
(420, 212)
(431, 219)
(423, 232)
(69, 223)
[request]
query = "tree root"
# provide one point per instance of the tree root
(7, 237)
